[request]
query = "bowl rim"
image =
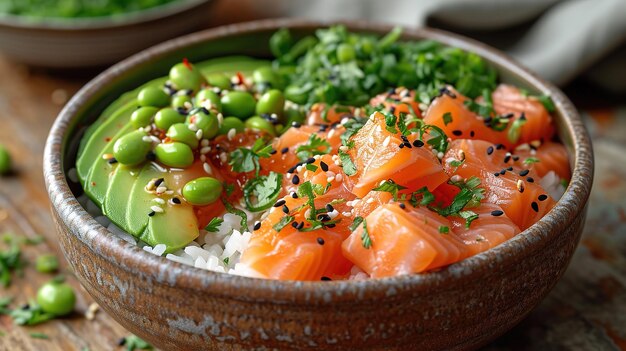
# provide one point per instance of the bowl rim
(137, 261)
(76, 24)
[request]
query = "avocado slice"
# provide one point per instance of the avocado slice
(116, 198)
(139, 200)
(176, 227)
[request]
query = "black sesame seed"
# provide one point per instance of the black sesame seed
(497, 213)
(402, 206)
(507, 158)
(497, 174)
(151, 214)
(542, 197)
(330, 208)
(320, 241)
(301, 225)
(204, 110)
(418, 143)
(324, 217)
(503, 171)
(523, 172)
(515, 158)
(112, 160)
(151, 156)
(257, 226)
(534, 206)
(296, 125)
(284, 150)
(404, 138)
(324, 166)
(490, 150)
(176, 200)
(121, 342)
(401, 145)
(181, 111)
(457, 132)
(310, 160)
(332, 225)
(285, 209)
(487, 120)
(392, 109)
(326, 279)
(279, 203)
(273, 152)
(295, 180)
(294, 195)
(510, 169)
(159, 182)
(472, 133)
(408, 145)
(499, 146)
(530, 180)
(294, 224)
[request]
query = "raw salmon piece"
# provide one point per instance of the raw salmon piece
(403, 242)
(552, 157)
(490, 229)
(286, 146)
(518, 193)
(290, 254)
(373, 200)
(377, 157)
(399, 100)
(538, 126)
(319, 114)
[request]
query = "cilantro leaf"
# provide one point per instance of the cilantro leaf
(547, 102)
(244, 217)
(245, 160)
(444, 229)
(421, 197)
(314, 146)
(346, 162)
(261, 192)
(531, 160)
(391, 187)
(283, 223)
(365, 236)
(214, 224)
(447, 118)
(356, 223)
(515, 131)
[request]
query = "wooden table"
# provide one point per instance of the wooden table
(586, 310)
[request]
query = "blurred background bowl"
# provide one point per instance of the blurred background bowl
(98, 41)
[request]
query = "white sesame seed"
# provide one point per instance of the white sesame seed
(343, 148)
(205, 150)
(231, 133)
(107, 156)
(155, 139)
(223, 157)
(187, 105)
(330, 179)
(192, 127)
(158, 200)
(331, 133)
(220, 119)
(207, 168)
(146, 129)
(306, 174)
(387, 140)
(156, 209)
(338, 177)
(456, 178)
(204, 142)
(161, 189)
(345, 214)
(440, 155)
(345, 120)
(199, 133)
(169, 192)
(146, 139)
(333, 214)
(370, 200)
(307, 213)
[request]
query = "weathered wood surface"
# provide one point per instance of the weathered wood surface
(586, 310)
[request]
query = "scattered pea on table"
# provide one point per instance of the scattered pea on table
(56, 298)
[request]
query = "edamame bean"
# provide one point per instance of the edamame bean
(296, 94)
(132, 148)
(181, 132)
(153, 96)
(345, 53)
(207, 122)
(219, 80)
(271, 102)
(261, 124)
(210, 95)
(179, 101)
(5, 160)
(231, 123)
(176, 154)
(186, 76)
(293, 115)
(202, 191)
(265, 78)
(47, 263)
(166, 117)
(142, 116)
(56, 298)
(239, 104)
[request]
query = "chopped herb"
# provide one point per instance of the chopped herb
(365, 236)
(403, 125)
(456, 163)
(214, 224)
(421, 197)
(311, 167)
(390, 122)
(352, 127)
(305, 190)
(531, 160)
(32, 314)
(391, 187)
(547, 102)
(348, 166)
(485, 109)
(10, 260)
(226, 260)
(515, 131)
(261, 192)
(444, 229)
(283, 223)
(468, 216)
(245, 160)
(39, 335)
(133, 342)
(469, 197)
(447, 118)
(356, 223)
(229, 188)
(438, 138)
(314, 146)
(231, 209)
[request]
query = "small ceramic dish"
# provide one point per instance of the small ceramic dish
(91, 42)
(179, 307)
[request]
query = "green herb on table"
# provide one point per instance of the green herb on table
(39, 335)
(133, 342)
(47, 263)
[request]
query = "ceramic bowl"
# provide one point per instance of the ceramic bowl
(91, 42)
(178, 307)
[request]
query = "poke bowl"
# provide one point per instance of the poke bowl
(86, 42)
(451, 303)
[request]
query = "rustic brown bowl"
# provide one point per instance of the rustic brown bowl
(98, 41)
(179, 307)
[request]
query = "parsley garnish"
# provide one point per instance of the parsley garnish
(365, 236)
(447, 118)
(390, 121)
(485, 109)
(214, 224)
(531, 160)
(305, 190)
(438, 138)
(261, 192)
(245, 160)
(10, 260)
(31, 315)
(444, 229)
(39, 335)
(352, 127)
(283, 223)
(468, 216)
(515, 131)
(346, 162)
(133, 342)
(314, 146)
(547, 102)
(421, 197)
(391, 187)
(469, 196)
(356, 223)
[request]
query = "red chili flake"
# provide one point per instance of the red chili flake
(187, 64)
(166, 140)
(93, 183)
(240, 77)
(192, 119)
(107, 139)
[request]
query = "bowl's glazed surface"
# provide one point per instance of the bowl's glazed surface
(173, 306)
